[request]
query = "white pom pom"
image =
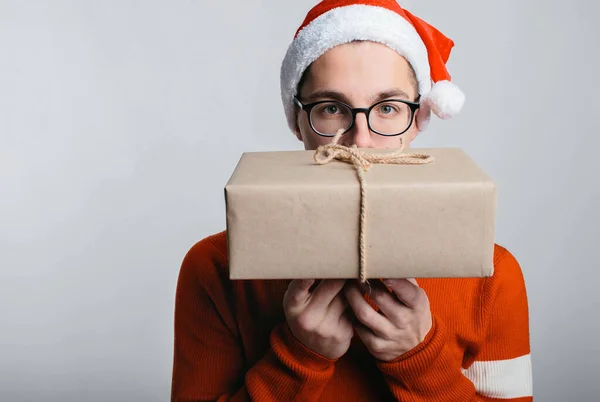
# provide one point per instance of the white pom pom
(445, 99)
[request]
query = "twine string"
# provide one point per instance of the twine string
(362, 161)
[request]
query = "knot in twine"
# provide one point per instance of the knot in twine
(362, 161)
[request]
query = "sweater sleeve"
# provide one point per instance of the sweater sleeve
(500, 368)
(209, 362)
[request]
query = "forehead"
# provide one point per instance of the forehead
(359, 69)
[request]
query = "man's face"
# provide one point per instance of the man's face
(357, 73)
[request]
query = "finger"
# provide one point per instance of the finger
(297, 293)
(365, 334)
(347, 318)
(363, 311)
(408, 292)
(413, 280)
(374, 343)
(389, 305)
(323, 295)
(337, 307)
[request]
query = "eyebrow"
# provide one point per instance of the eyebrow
(392, 93)
(327, 95)
(339, 96)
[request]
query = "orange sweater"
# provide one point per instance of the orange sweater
(232, 342)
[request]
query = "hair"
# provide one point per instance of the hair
(413, 76)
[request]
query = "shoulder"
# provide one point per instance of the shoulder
(506, 267)
(507, 285)
(204, 290)
(206, 262)
(211, 249)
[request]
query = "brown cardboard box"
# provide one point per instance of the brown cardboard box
(288, 217)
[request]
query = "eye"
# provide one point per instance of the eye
(331, 109)
(387, 109)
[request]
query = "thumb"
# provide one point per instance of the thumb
(412, 280)
(297, 293)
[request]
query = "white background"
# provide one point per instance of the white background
(121, 121)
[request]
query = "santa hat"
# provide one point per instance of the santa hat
(334, 22)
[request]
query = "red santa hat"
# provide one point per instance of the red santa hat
(334, 22)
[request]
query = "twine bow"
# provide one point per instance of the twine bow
(362, 162)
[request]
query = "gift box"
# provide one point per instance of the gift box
(289, 217)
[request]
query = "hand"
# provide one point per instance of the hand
(317, 318)
(401, 324)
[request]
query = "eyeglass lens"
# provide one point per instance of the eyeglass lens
(388, 118)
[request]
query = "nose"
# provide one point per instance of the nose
(360, 135)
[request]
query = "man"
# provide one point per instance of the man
(365, 67)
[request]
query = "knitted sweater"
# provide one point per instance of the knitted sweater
(232, 342)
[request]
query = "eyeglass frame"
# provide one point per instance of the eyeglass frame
(414, 106)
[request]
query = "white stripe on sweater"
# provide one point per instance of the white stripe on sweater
(502, 379)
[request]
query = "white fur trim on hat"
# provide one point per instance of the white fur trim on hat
(343, 25)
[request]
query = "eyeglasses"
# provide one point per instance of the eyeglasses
(389, 118)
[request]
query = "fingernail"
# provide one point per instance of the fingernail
(389, 282)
